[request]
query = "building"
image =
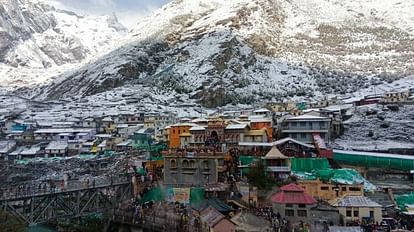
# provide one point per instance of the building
(329, 191)
(304, 127)
(55, 134)
(175, 131)
(262, 123)
(396, 97)
(258, 136)
(142, 139)
(194, 168)
(357, 208)
(213, 221)
(56, 148)
(277, 164)
(6, 147)
(293, 203)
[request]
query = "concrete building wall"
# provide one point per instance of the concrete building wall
(187, 171)
(326, 191)
(294, 212)
(363, 212)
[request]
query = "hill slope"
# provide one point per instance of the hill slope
(220, 52)
(38, 41)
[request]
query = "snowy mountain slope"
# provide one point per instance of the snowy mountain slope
(37, 39)
(378, 128)
(242, 51)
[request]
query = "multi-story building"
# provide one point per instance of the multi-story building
(277, 164)
(196, 168)
(396, 97)
(356, 208)
(293, 203)
(303, 128)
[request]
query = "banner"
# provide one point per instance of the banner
(181, 195)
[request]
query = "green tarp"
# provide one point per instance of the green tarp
(360, 159)
(247, 160)
(309, 164)
(156, 158)
(340, 176)
(404, 200)
(160, 194)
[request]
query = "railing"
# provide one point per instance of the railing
(193, 154)
(278, 169)
(40, 188)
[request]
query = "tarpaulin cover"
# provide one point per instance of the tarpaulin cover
(247, 160)
(340, 176)
(309, 164)
(404, 200)
(160, 194)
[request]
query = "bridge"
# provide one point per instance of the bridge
(39, 202)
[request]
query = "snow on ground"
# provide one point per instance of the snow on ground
(375, 127)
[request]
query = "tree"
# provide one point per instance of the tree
(257, 176)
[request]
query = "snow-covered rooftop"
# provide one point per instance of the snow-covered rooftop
(354, 201)
(308, 117)
(57, 145)
(236, 126)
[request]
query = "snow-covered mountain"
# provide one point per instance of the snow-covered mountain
(39, 41)
(241, 51)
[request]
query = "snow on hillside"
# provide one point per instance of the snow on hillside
(378, 128)
(39, 41)
(241, 52)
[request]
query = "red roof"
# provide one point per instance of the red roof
(292, 188)
(292, 194)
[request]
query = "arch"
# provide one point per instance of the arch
(186, 164)
(173, 163)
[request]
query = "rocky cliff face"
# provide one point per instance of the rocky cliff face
(228, 52)
(37, 39)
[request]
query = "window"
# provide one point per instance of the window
(356, 213)
(294, 124)
(173, 131)
(62, 137)
(289, 205)
(303, 136)
(354, 189)
(192, 164)
(348, 213)
(294, 136)
(80, 137)
(179, 131)
(302, 213)
(205, 164)
(186, 164)
(322, 125)
(173, 163)
(289, 213)
(302, 206)
(344, 189)
(324, 188)
(371, 213)
(303, 124)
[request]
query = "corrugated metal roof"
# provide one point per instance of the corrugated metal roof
(211, 216)
(354, 201)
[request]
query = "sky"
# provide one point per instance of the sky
(128, 11)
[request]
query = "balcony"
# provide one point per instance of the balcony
(278, 169)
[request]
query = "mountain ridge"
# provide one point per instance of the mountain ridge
(221, 52)
(38, 39)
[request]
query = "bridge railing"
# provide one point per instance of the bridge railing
(37, 188)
